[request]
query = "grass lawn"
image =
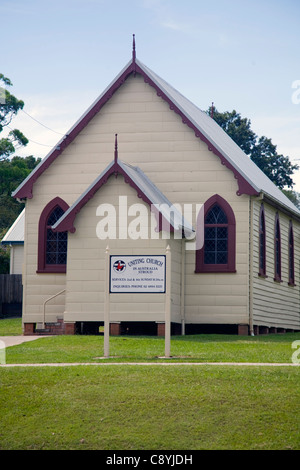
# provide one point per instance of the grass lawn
(10, 326)
(191, 348)
(198, 348)
(137, 407)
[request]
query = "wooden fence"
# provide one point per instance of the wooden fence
(11, 291)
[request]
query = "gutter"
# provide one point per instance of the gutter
(290, 212)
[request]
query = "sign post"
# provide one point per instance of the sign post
(106, 304)
(138, 274)
(168, 303)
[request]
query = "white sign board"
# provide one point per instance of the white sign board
(137, 274)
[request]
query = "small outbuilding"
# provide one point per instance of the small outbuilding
(14, 238)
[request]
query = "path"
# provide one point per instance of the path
(14, 340)
(71, 364)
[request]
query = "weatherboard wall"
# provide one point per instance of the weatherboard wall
(86, 268)
(37, 288)
(16, 259)
(275, 304)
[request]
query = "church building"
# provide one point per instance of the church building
(145, 184)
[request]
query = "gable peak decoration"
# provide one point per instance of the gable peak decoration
(133, 48)
(133, 55)
(116, 149)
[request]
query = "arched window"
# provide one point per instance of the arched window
(52, 246)
(277, 250)
(291, 256)
(218, 251)
(262, 242)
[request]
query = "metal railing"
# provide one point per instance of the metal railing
(44, 306)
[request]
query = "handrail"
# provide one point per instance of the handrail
(44, 306)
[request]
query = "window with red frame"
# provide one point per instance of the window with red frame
(262, 242)
(218, 251)
(52, 246)
(291, 257)
(277, 250)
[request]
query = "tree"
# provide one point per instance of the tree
(9, 107)
(260, 149)
(12, 173)
(4, 255)
(294, 196)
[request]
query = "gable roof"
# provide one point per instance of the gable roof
(167, 216)
(15, 235)
(251, 180)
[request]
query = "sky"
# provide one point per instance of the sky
(245, 55)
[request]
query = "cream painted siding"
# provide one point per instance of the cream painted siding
(37, 288)
(275, 304)
(154, 138)
(221, 298)
(176, 278)
(86, 263)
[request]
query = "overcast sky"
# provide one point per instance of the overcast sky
(242, 55)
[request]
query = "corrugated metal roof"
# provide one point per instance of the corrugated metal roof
(16, 232)
(157, 198)
(227, 147)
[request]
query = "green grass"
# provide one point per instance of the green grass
(11, 326)
(198, 348)
(143, 408)
(138, 407)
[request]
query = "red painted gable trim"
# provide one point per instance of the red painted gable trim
(244, 186)
(26, 190)
(67, 224)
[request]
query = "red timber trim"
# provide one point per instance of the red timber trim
(201, 267)
(26, 190)
(42, 236)
(244, 186)
(67, 222)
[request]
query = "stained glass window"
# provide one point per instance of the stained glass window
(216, 236)
(56, 242)
(217, 254)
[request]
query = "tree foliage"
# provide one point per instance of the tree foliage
(294, 196)
(9, 107)
(260, 149)
(12, 173)
(4, 255)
